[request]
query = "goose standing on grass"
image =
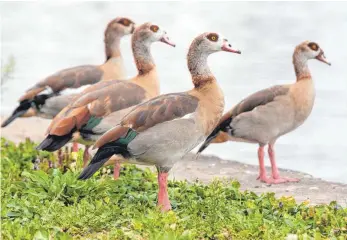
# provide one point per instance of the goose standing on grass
(89, 115)
(48, 105)
(270, 113)
(162, 130)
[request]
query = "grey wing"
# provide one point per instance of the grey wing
(259, 98)
(265, 122)
(166, 126)
(166, 123)
(55, 104)
(68, 78)
(172, 139)
(75, 77)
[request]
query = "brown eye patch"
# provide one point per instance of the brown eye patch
(124, 21)
(313, 46)
(154, 28)
(212, 37)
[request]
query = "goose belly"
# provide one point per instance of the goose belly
(166, 143)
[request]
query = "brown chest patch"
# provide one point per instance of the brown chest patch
(211, 105)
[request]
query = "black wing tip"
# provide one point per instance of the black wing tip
(46, 144)
(13, 117)
(87, 173)
(214, 134)
(6, 122)
(39, 147)
(202, 148)
(43, 144)
(18, 112)
(101, 157)
(92, 168)
(83, 176)
(42, 147)
(207, 142)
(53, 143)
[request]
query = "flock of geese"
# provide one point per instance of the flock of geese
(128, 119)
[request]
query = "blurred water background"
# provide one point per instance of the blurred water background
(46, 37)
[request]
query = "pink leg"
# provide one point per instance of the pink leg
(86, 156)
(116, 170)
(271, 152)
(75, 147)
(262, 171)
(275, 173)
(163, 196)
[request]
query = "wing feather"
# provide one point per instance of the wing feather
(161, 109)
(105, 99)
(68, 78)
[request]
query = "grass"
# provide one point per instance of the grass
(49, 203)
(7, 70)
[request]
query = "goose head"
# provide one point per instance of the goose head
(120, 26)
(311, 50)
(149, 33)
(211, 42)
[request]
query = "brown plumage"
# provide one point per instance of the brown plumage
(259, 98)
(95, 104)
(270, 113)
(36, 103)
(98, 102)
(67, 78)
(162, 130)
(112, 33)
(88, 74)
(160, 109)
(146, 115)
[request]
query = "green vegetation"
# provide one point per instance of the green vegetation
(50, 203)
(7, 70)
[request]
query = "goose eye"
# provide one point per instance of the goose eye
(313, 46)
(125, 22)
(212, 37)
(154, 28)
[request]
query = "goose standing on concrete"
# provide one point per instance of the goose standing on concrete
(270, 113)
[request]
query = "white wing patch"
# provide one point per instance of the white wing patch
(187, 116)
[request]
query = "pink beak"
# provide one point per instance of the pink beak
(321, 57)
(165, 39)
(227, 48)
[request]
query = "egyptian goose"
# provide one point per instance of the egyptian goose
(270, 113)
(162, 130)
(35, 103)
(83, 119)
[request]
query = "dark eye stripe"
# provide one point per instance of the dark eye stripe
(212, 37)
(313, 46)
(126, 22)
(154, 28)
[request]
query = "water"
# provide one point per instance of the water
(46, 37)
